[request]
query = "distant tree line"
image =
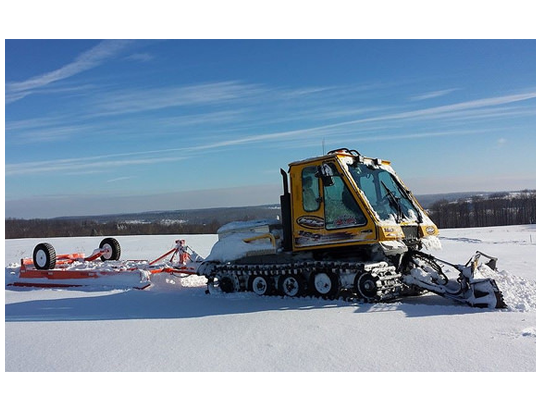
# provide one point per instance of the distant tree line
(49, 228)
(476, 211)
(495, 210)
(171, 222)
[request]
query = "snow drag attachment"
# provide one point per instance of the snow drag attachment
(100, 269)
(470, 287)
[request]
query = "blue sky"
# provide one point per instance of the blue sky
(96, 127)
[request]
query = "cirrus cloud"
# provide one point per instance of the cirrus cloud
(91, 58)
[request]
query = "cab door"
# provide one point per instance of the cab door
(309, 217)
(325, 209)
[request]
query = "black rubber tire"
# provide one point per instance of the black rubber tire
(291, 291)
(44, 256)
(113, 247)
(333, 289)
(263, 285)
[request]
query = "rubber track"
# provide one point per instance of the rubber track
(387, 280)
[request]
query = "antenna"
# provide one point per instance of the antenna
(323, 145)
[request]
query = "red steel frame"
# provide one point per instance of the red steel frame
(63, 272)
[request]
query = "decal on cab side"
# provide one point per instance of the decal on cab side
(311, 222)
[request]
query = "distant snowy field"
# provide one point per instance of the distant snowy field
(176, 327)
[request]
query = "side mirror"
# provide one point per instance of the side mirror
(325, 173)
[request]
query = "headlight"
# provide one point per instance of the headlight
(430, 230)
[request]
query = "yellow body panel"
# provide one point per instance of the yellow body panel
(317, 224)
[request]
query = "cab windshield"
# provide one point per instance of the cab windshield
(384, 193)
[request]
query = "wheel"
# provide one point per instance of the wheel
(229, 283)
(261, 285)
(44, 256)
(291, 285)
(366, 286)
(112, 249)
(325, 285)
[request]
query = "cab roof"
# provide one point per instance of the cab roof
(341, 152)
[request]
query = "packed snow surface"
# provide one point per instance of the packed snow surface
(174, 326)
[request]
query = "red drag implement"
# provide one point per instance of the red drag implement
(101, 268)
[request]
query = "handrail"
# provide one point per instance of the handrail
(263, 236)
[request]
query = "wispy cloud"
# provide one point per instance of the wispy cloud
(50, 134)
(109, 181)
(139, 100)
(38, 122)
(494, 106)
(303, 92)
(252, 96)
(94, 57)
(463, 109)
(213, 117)
(458, 107)
(142, 57)
(484, 113)
(433, 94)
(86, 164)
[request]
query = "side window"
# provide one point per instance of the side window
(341, 209)
(310, 189)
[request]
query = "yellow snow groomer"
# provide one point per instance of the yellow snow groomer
(350, 227)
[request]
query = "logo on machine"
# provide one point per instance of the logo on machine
(311, 222)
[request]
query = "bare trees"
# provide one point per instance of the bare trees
(490, 210)
(495, 210)
(49, 228)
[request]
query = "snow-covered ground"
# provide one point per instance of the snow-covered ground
(177, 327)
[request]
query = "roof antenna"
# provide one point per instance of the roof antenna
(323, 145)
